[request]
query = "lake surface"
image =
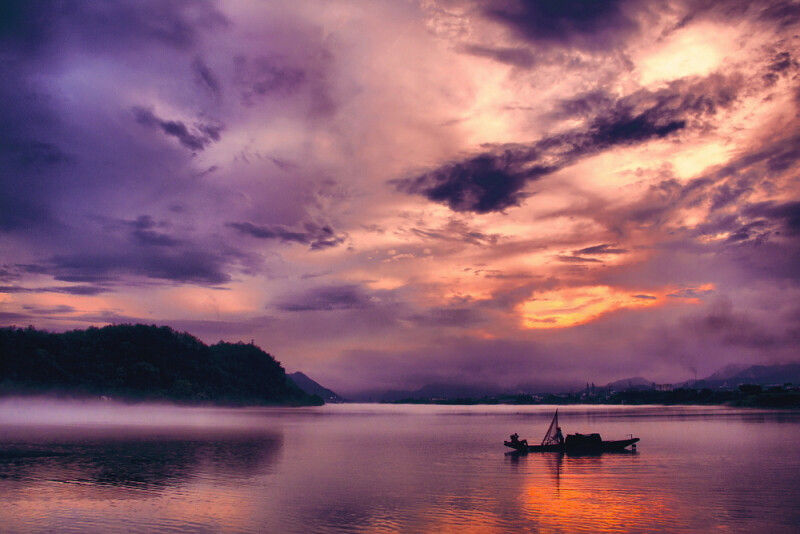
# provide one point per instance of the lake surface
(385, 468)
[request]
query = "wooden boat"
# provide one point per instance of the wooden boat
(575, 443)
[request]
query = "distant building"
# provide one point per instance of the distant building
(663, 387)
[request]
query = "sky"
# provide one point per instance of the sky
(393, 193)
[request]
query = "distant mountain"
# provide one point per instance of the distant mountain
(314, 388)
(729, 376)
(765, 375)
(451, 390)
(637, 382)
(728, 371)
(768, 374)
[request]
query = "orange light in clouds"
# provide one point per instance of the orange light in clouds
(199, 299)
(578, 305)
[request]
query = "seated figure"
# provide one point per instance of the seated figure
(515, 439)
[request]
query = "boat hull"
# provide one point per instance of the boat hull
(602, 446)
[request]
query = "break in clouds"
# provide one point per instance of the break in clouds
(387, 195)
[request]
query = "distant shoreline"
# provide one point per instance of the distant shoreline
(744, 396)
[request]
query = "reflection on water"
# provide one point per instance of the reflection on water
(107, 479)
(593, 494)
(398, 469)
(139, 461)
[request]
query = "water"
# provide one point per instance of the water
(375, 468)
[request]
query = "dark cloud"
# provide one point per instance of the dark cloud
(625, 128)
(729, 193)
(49, 310)
(343, 297)
(32, 154)
(25, 26)
(143, 233)
(10, 318)
(184, 265)
(600, 249)
(691, 293)
(32, 28)
(261, 76)
(750, 231)
(645, 297)
(781, 62)
(786, 214)
(785, 12)
(140, 247)
(584, 105)
(583, 24)
(318, 237)
(67, 290)
(284, 165)
(577, 259)
(196, 139)
(495, 180)
(205, 77)
(9, 273)
(21, 214)
(174, 24)
(482, 184)
(456, 230)
(81, 290)
(25, 167)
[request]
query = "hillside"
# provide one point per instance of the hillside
(313, 388)
(141, 362)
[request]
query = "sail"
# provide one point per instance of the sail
(550, 437)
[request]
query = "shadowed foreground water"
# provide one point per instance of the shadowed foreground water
(373, 468)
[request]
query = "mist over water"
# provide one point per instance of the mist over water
(46, 411)
(106, 467)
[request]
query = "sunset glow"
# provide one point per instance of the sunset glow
(574, 306)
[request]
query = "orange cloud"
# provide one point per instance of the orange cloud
(578, 305)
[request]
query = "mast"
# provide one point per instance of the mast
(549, 438)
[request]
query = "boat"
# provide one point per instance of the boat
(574, 443)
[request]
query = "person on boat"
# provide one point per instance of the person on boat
(515, 439)
(559, 436)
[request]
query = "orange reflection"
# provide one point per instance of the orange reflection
(582, 499)
(462, 520)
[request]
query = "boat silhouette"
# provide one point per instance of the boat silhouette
(554, 441)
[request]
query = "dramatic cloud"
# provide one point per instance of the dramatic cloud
(588, 25)
(317, 237)
(198, 138)
(495, 181)
(601, 249)
(391, 194)
(328, 299)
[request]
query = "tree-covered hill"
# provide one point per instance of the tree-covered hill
(142, 362)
